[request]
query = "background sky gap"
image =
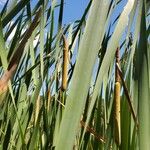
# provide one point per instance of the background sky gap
(73, 9)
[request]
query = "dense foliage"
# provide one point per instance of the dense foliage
(62, 86)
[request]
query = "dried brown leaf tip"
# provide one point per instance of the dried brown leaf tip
(5, 79)
(3, 84)
(17, 55)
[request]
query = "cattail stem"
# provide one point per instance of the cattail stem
(128, 96)
(117, 128)
(65, 64)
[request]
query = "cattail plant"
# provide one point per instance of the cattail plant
(117, 103)
(65, 64)
(47, 113)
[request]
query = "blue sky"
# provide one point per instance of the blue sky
(73, 9)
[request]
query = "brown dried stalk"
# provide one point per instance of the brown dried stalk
(93, 132)
(17, 55)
